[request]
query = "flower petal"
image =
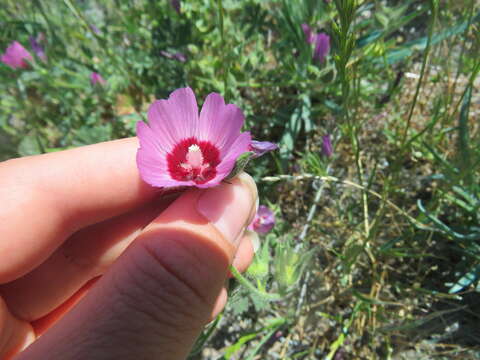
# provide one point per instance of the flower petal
(151, 160)
(220, 123)
(174, 119)
(241, 145)
(226, 165)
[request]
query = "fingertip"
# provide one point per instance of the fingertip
(219, 304)
(244, 255)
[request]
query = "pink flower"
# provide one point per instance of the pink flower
(320, 40)
(15, 56)
(322, 46)
(180, 148)
(96, 78)
(327, 148)
(264, 220)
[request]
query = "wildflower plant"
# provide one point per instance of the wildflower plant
(289, 265)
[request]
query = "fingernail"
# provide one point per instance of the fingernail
(229, 207)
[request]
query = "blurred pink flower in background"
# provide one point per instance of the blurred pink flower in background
(15, 56)
(320, 40)
(264, 220)
(309, 35)
(322, 46)
(36, 47)
(96, 78)
(179, 147)
(327, 148)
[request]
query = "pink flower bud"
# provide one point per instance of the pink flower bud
(327, 148)
(264, 220)
(261, 147)
(309, 35)
(322, 47)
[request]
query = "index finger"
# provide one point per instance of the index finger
(45, 198)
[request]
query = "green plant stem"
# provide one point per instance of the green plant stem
(248, 285)
(302, 237)
(201, 341)
(470, 11)
(220, 20)
(225, 61)
(434, 8)
(346, 10)
(343, 336)
(262, 342)
(473, 75)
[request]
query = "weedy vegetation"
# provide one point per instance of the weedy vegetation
(376, 249)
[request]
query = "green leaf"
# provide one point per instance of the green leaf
(421, 43)
(466, 280)
(464, 137)
(206, 334)
(239, 344)
(239, 302)
(259, 302)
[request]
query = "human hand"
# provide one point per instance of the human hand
(67, 218)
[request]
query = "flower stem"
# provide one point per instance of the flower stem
(434, 8)
(248, 285)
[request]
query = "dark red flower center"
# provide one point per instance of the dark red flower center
(193, 160)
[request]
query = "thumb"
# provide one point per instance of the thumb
(154, 301)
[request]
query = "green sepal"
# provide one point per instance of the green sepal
(240, 164)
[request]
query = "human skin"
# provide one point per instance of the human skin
(104, 266)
